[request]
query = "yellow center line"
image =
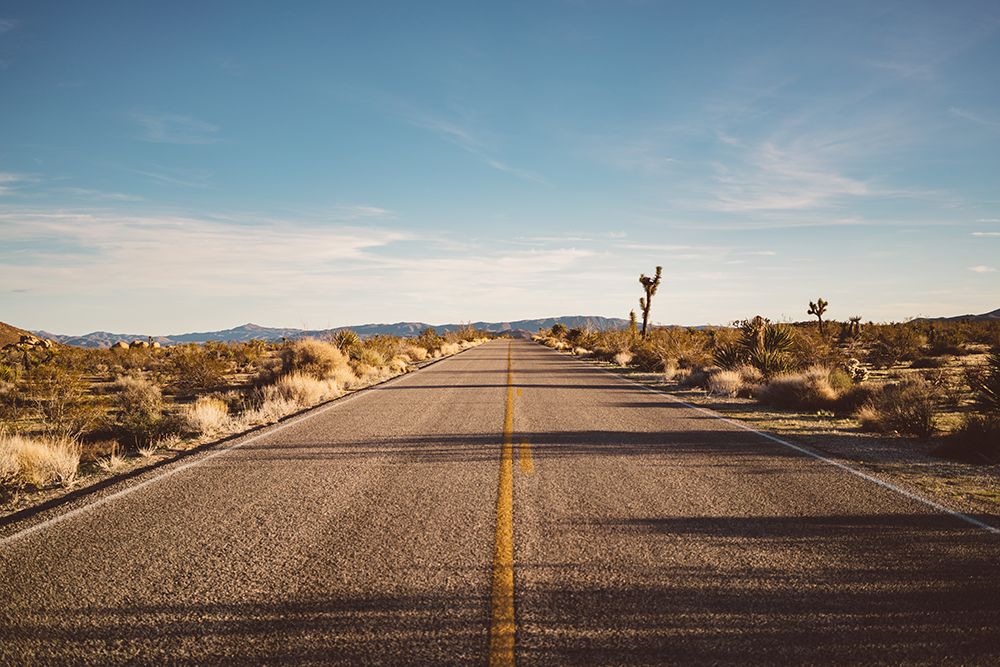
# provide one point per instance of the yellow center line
(503, 628)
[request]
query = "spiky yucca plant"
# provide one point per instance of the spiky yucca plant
(763, 345)
(346, 340)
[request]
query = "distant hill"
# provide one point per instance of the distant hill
(992, 315)
(251, 331)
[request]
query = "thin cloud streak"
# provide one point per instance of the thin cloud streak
(167, 128)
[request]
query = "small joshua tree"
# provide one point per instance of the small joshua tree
(650, 285)
(817, 308)
(633, 324)
(854, 326)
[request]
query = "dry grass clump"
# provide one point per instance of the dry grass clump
(113, 462)
(904, 408)
(206, 415)
(581, 352)
(810, 389)
(313, 357)
(370, 357)
(416, 353)
(725, 383)
(751, 375)
(301, 390)
(38, 462)
(450, 348)
(623, 358)
(399, 364)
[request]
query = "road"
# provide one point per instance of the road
(505, 505)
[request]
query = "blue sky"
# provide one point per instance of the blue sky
(167, 167)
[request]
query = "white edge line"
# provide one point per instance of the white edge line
(819, 457)
(267, 430)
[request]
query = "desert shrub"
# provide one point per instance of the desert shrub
(985, 384)
(698, 377)
(249, 355)
(370, 357)
(7, 373)
(194, 368)
(810, 348)
(906, 408)
(37, 462)
(689, 347)
(623, 358)
(138, 410)
(558, 330)
(455, 348)
(580, 352)
(976, 441)
(311, 357)
(892, 343)
(398, 365)
(647, 357)
(750, 374)
(852, 399)
(301, 389)
(945, 340)
(810, 390)
(206, 415)
(725, 383)
(928, 362)
(59, 396)
(840, 380)
(429, 340)
(416, 353)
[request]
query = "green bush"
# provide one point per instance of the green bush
(194, 368)
(138, 411)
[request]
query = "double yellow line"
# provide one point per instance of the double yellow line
(503, 626)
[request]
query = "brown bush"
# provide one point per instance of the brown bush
(810, 390)
(194, 368)
(906, 408)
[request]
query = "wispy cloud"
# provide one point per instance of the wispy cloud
(6, 25)
(774, 178)
(988, 220)
(982, 269)
(8, 180)
(187, 178)
(166, 128)
(99, 195)
(976, 118)
(464, 138)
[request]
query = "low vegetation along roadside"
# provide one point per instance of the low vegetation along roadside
(933, 381)
(69, 413)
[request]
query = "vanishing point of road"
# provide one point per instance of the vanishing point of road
(506, 505)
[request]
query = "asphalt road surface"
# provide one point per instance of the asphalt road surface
(504, 505)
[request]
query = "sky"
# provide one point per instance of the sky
(186, 166)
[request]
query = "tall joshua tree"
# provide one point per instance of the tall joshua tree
(817, 308)
(650, 285)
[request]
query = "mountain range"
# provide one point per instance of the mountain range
(251, 331)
